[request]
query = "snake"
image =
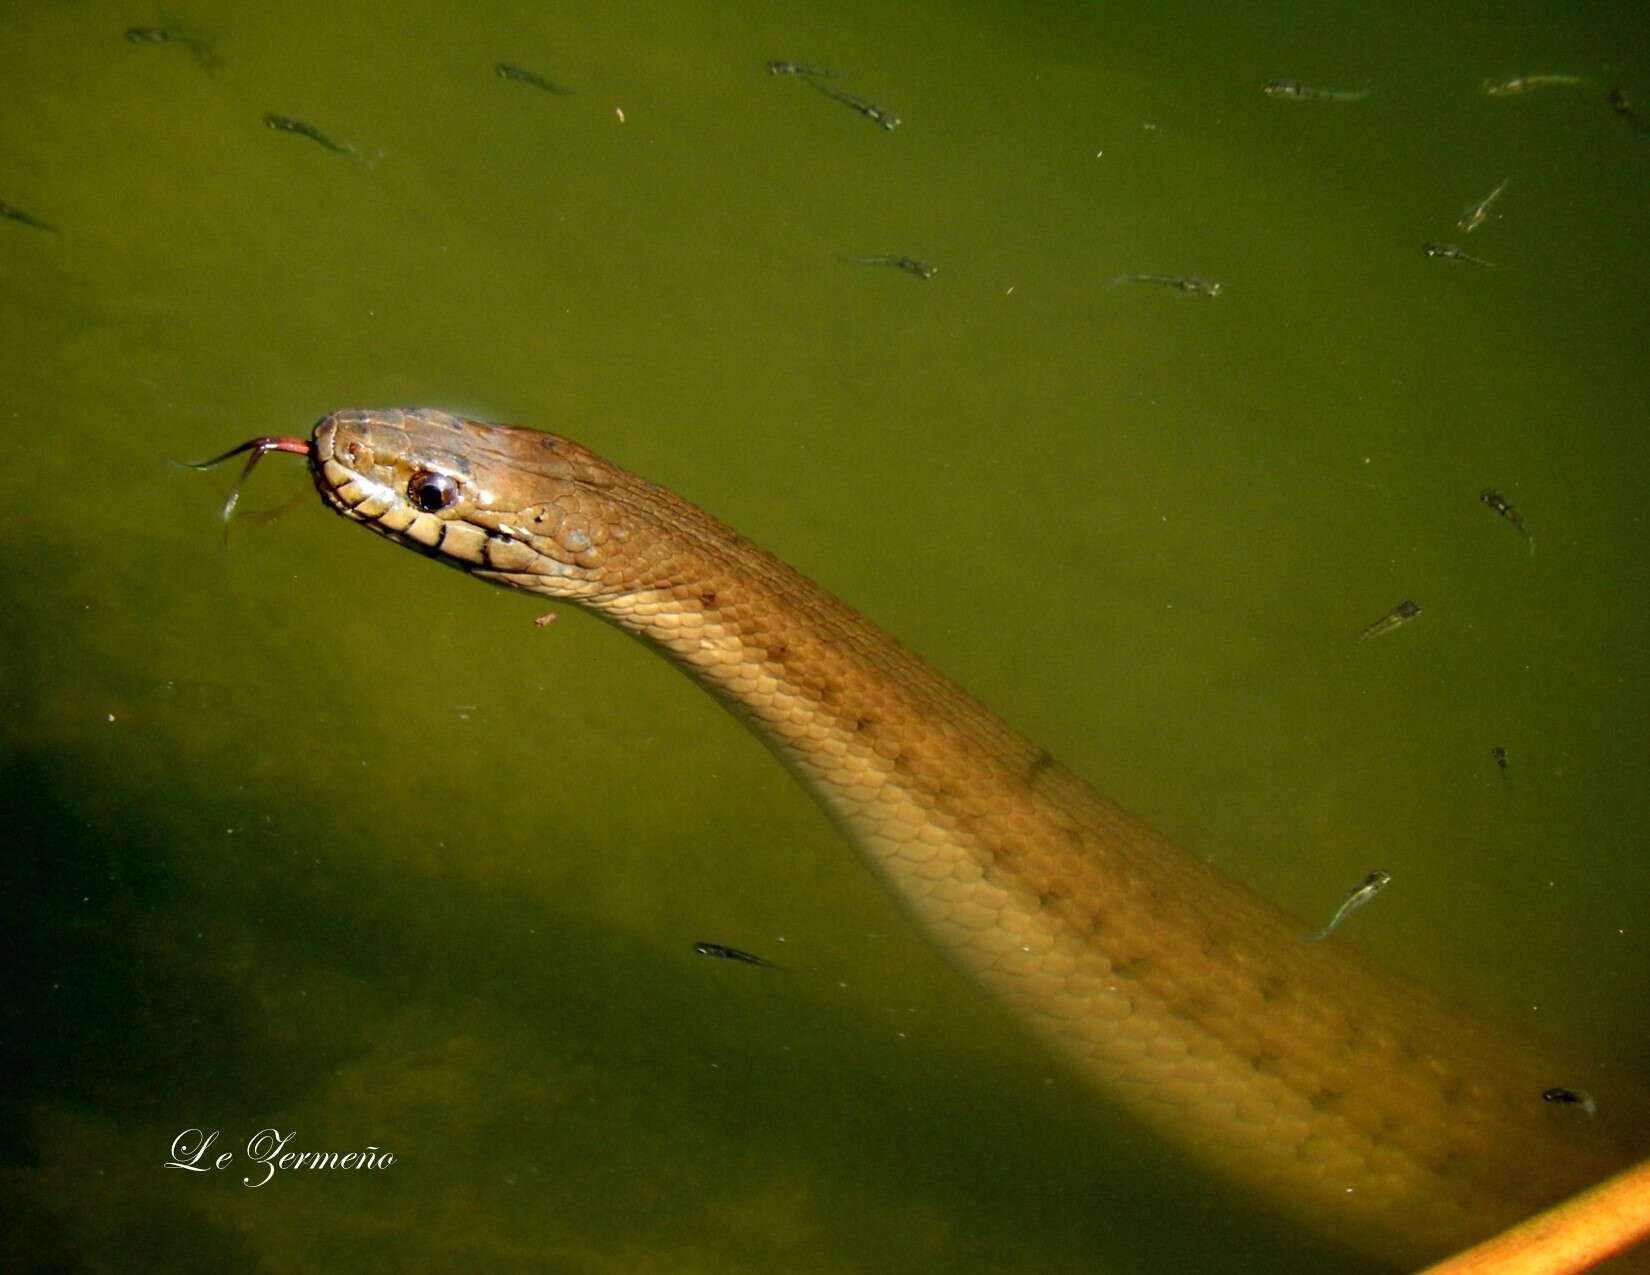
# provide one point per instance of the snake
(1349, 1098)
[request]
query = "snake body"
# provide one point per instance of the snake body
(1358, 1102)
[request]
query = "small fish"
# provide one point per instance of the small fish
(1184, 282)
(24, 219)
(507, 72)
(196, 43)
(1365, 890)
(1500, 755)
(1401, 614)
(1572, 1098)
(284, 124)
(919, 268)
(1449, 252)
(724, 953)
(1498, 503)
(802, 68)
(870, 110)
(1513, 85)
(1305, 93)
(1479, 213)
(1622, 105)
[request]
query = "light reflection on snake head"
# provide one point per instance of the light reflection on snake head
(515, 506)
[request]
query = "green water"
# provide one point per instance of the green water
(310, 834)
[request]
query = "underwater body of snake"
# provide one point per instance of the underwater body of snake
(1358, 1102)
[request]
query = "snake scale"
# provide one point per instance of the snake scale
(1359, 1103)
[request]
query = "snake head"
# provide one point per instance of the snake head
(514, 506)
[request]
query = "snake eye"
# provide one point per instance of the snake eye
(432, 492)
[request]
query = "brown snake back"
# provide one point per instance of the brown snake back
(1355, 1100)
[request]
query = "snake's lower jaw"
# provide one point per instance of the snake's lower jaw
(341, 506)
(327, 494)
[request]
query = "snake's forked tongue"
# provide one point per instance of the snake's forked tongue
(259, 448)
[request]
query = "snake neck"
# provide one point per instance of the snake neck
(1357, 1102)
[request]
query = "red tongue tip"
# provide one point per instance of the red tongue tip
(257, 446)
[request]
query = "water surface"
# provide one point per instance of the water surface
(311, 835)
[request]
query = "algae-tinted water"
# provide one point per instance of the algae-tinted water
(310, 835)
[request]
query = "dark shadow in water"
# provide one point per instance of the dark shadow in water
(636, 1097)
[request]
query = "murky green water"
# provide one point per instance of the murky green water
(310, 835)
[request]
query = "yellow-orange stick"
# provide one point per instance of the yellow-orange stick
(1573, 1236)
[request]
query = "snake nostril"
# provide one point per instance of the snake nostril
(432, 492)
